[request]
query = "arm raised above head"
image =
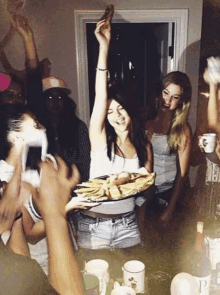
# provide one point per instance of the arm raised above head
(97, 129)
(212, 111)
(20, 23)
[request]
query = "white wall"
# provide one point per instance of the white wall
(53, 25)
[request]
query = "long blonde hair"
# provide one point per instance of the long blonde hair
(177, 133)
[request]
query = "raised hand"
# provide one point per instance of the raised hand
(103, 33)
(55, 188)
(15, 5)
(207, 78)
(20, 24)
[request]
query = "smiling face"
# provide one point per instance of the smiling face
(118, 117)
(171, 97)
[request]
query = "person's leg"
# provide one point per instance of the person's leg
(93, 233)
(125, 231)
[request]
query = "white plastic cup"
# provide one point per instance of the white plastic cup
(208, 142)
(122, 290)
(184, 284)
(134, 275)
(99, 268)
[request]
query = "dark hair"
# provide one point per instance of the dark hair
(11, 117)
(137, 133)
(67, 121)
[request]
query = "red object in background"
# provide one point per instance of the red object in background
(15, 5)
(5, 80)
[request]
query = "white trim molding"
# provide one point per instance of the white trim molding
(177, 16)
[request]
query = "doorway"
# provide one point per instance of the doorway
(177, 22)
(140, 55)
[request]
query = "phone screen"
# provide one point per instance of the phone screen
(33, 158)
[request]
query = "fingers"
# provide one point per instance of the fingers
(62, 167)
(75, 178)
(50, 158)
(103, 24)
(100, 23)
(78, 203)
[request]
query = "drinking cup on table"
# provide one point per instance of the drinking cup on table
(122, 290)
(99, 268)
(91, 283)
(208, 142)
(134, 275)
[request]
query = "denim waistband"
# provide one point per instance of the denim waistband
(118, 217)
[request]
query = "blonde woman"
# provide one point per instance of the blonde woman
(170, 135)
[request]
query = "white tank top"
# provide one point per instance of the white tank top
(101, 165)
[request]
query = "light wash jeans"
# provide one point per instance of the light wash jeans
(107, 233)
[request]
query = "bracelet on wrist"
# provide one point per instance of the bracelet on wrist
(103, 70)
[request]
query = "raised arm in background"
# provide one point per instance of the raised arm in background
(20, 23)
(97, 123)
(213, 107)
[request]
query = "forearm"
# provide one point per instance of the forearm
(31, 52)
(101, 76)
(36, 233)
(5, 63)
(100, 105)
(212, 112)
(7, 39)
(17, 241)
(101, 80)
(64, 272)
(176, 191)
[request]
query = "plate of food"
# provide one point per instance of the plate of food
(115, 187)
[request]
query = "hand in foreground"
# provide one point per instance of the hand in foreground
(55, 188)
(80, 203)
(9, 204)
(103, 33)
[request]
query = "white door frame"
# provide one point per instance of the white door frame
(178, 16)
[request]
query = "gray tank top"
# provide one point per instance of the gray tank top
(164, 163)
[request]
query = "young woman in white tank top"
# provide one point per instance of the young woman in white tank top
(118, 143)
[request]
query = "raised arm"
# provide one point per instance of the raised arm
(7, 38)
(20, 23)
(212, 111)
(3, 58)
(97, 123)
